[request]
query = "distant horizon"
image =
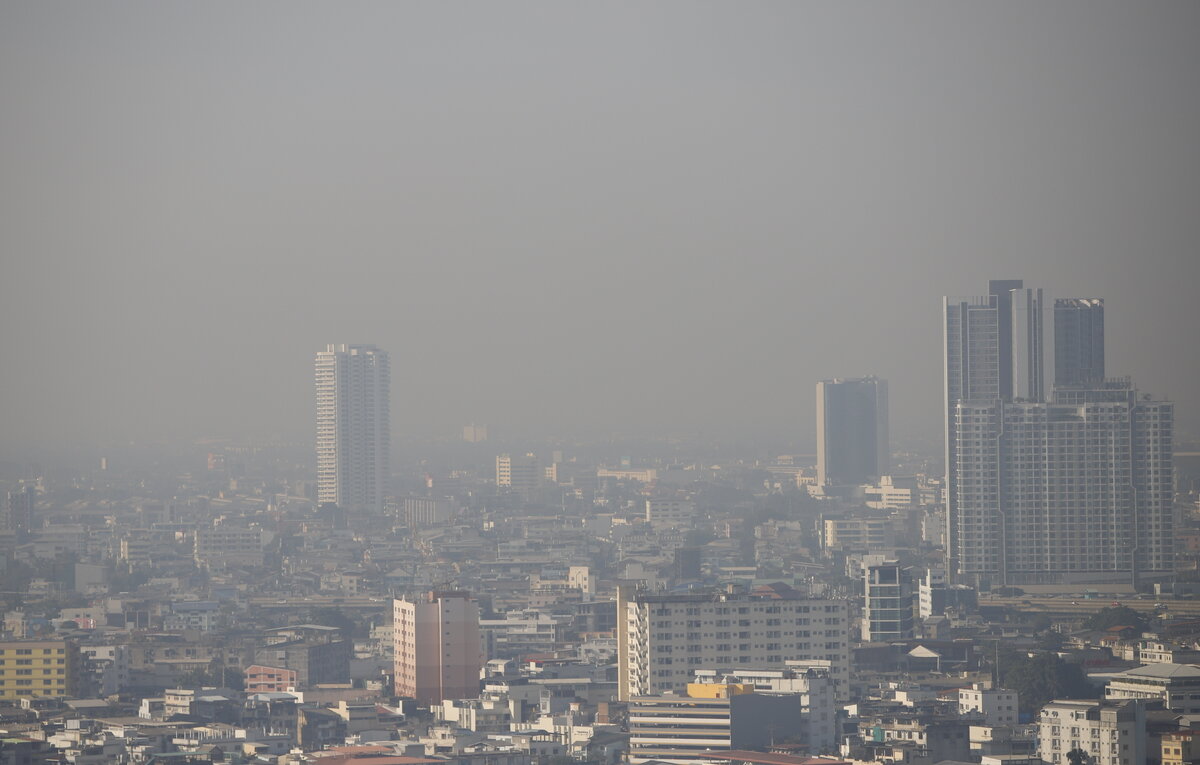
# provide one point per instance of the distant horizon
(585, 219)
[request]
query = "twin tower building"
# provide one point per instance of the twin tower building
(1062, 482)
(1063, 479)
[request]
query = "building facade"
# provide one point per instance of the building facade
(30, 668)
(852, 431)
(889, 601)
(712, 717)
(1176, 685)
(437, 650)
(1078, 341)
(663, 639)
(353, 426)
(1075, 491)
(1109, 732)
(984, 359)
(521, 474)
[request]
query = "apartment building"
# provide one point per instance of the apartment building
(1110, 732)
(38, 668)
(997, 706)
(1176, 685)
(437, 648)
(663, 639)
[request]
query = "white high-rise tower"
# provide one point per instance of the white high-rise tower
(353, 426)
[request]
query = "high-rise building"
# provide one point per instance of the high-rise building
(1078, 341)
(852, 431)
(992, 351)
(353, 427)
(1078, 490)
(888, 614)
(437, 651)
(662, 639)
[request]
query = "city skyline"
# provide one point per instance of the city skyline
(605, 243)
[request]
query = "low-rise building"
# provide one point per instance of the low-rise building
(38, 668)
(686, 729)
(1176, 685)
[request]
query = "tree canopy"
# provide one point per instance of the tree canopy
(1042, 678)
(1115, 616)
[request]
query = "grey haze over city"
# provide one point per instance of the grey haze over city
(655, 218)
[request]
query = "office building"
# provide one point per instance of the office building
(670, 513)
(1076, 491)
(1109, 732)
(353, 427)
(990, 353)
(521, 474)
(437, 649)
(711, 717)
(662, 639)
(31, 668)
(888, 614)
(1078, 341)
(852, 431)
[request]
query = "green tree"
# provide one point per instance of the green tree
(1078, 757)
(1042, 678)
(1115, 616)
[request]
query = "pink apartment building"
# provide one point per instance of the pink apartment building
(437, 648)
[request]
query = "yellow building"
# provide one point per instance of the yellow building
(1181, 747)
(38, 668)
(718, 690)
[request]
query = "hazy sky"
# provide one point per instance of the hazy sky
(635, 216)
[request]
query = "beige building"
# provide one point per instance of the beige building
(1110, 732)
(437, 650)
(38, 668)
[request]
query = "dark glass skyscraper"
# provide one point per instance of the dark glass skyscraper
(852, 431)
(1078, 341)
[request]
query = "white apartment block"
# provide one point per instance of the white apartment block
(892, 493)
(224, 544)
(663, 639)
(1110, 732)
(353, 426)
(997, 706)
(1077, 491)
